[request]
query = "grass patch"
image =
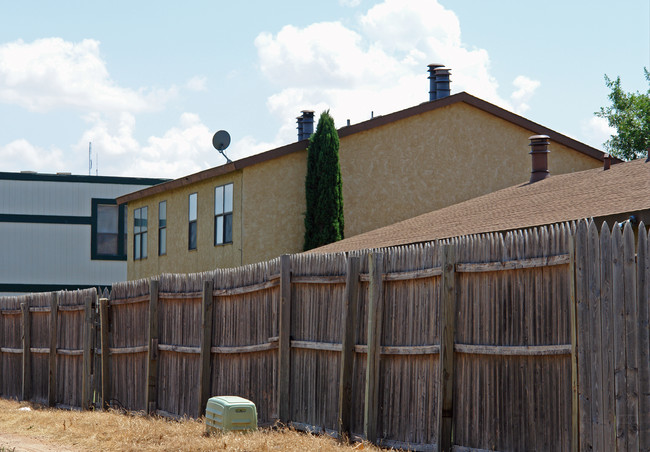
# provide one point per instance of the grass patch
(112, 430)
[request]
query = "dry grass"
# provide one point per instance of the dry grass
(94, 430)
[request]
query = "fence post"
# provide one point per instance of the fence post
(375, 310)
(445, 413)
(89, 328)
(206, 344)
(573, 311)
(151, 391)
(51, 382)
(284, 340)
(27, 358)
(106, 376)
(349, 322)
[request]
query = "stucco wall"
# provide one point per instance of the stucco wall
(274, 206)
(390, 173)
(442, 157)
(179, 259)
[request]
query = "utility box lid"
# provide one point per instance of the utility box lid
(230, 413)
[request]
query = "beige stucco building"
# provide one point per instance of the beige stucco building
(394, 167)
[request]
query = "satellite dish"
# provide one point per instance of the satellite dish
(220, 141)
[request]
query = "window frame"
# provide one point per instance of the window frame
(223, 216)
(94, 230)
(142, 234)
(192, 223)
(162, 230)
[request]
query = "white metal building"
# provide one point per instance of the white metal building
(62, 231)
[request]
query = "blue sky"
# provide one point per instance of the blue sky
(150, 82)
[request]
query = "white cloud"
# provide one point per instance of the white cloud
(20, 155)
(183, 149)
(51, 73)
(596, 131)
(377, 65)
(197, 83)
(321, 55)
(525, 89)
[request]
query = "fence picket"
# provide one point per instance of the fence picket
(618, 307)
(607, 316)
(584, 339)
(631, 332)
(593, 284)
(375, 311)
(643, 266)
(27, 358)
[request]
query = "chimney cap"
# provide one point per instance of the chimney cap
(539, 137)
(435, 65)
(607, 161)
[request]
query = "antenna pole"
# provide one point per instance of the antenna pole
(90, 158)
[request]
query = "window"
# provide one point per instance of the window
(223, 214)
(162, 228)
(140, 233)
(192, 226)
(107, 230)
(124, 219)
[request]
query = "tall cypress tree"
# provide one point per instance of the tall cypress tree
(323, 186)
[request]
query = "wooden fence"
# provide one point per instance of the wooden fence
(611, 295)
(46, 347)
(491, 342)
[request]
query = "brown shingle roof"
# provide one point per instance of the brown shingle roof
(536, 129)
(565, 197)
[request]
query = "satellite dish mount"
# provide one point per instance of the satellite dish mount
(220, 141)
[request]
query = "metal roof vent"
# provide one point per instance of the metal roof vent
(442, 82)
(305, 125)
(433, 88)
(539, 152)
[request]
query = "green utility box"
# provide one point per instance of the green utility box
(226, 413)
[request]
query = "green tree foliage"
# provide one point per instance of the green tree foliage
(629, 114)
(323, 186)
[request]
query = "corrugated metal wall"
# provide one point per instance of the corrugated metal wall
(51, 253)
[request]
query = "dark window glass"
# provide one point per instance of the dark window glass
(162, 228)
(223, 214)
(136, 246)
(227, 230)
(193, 228)
(192, 236)
(162, 241)
(107, 229)
(140, 233)
(125, 222)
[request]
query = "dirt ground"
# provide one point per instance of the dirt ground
(17, 443)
